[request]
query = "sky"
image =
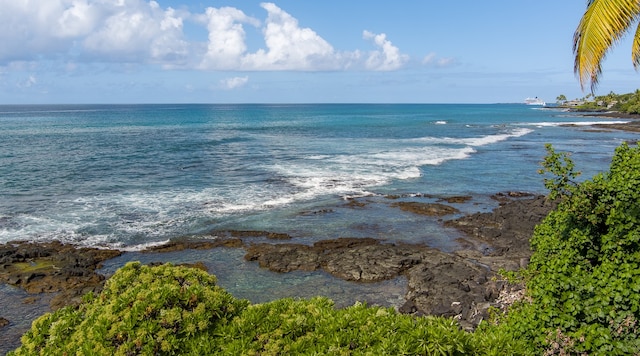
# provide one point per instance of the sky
(292, 51)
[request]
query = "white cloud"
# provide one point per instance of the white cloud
(387, 57)
(226, 38)
(142, 32)
(79, 19)
(28, 28)
(125, 30)
(137, 31)
(432, 60)
(290, 47)
(235, 82)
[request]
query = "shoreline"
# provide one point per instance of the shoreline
(632, 126)
(459, 284)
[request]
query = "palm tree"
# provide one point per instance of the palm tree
(603, 24)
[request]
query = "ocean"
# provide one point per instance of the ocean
(133, 176)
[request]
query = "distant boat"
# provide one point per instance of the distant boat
(534, 101)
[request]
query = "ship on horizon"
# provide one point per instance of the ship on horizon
(534, 101)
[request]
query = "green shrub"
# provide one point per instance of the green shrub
(142, 310)
(313, 326)
(167, 310)
(584, 275)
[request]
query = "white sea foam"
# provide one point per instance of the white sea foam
(573, 123)
(475, 141)
(142, 246)
(491, 139)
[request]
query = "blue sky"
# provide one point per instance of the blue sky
(292, 51)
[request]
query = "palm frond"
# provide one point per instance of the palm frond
(601, 27)
(635, 48)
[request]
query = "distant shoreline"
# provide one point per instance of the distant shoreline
(631, 126)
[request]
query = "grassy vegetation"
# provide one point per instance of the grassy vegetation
(583, 297)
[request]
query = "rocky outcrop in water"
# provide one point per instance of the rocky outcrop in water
(429, 209)
(460, 285)
(500, 239)
(53, 267)
(439, 283)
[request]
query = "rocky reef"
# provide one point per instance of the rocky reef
(462, 284)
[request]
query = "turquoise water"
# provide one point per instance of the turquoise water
(130, 176)
(127, 176)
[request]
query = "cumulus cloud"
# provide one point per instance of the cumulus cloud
(387, 57)
(135, 30)
(124, 30)
(233, 83)
(141, 31)
(289, 46)
(226, 38)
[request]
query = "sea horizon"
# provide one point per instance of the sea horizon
(157, 172)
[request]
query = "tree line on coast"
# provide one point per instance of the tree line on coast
(628, 103)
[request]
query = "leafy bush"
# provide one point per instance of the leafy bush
(293, 327)
(142, 310)
(584, 275)
(168, 310)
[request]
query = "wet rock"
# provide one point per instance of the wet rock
(429, 209)
(370, 263)
(283, 257)
(503, 233)
(180, 245)
(352, 259)
(316, 212)
(438, 283)
(251, 233)
(355, 203)
(456, 199)
(53, 267)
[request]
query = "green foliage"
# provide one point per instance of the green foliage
(584, 276)
(562, 169)
(167, 310)
(313, 326)
(627, 103)
(142, 310)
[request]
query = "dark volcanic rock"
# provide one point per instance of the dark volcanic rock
(505, 231)
(251, 233)
(283, 257)
(460, 285)
(352, 259)
(195, 245)
(429, 209)
(456, 199)
(439, 283)
(53, 268)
